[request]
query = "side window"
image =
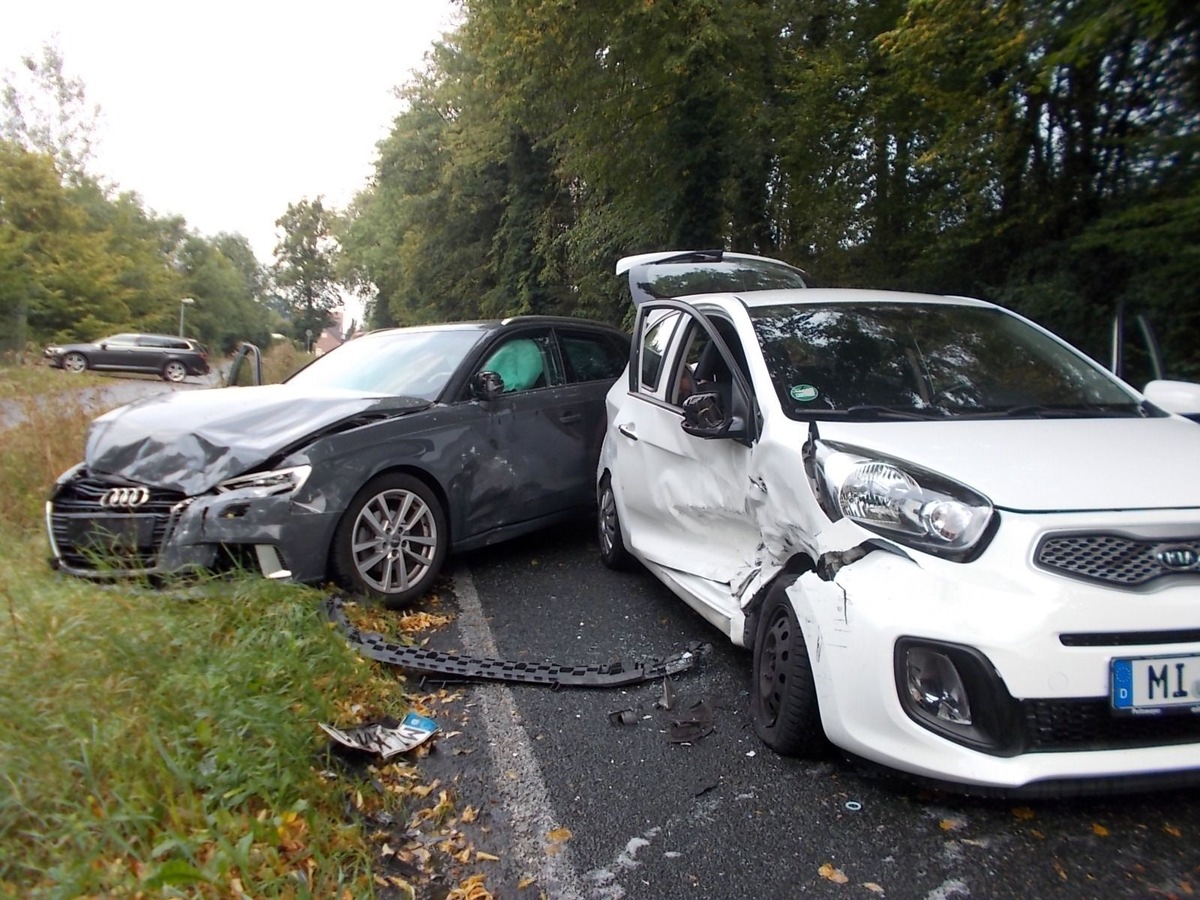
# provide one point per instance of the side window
(703, 367)
(525, 362)
(591, 357)
(656, 340)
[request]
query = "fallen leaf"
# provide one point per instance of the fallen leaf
(1024, 813)
(873, 887)
(830, 873)
(1172, 831)
(469, 815)
(952, 824)
(1099, 830)
(526, 881)
(485, 857)
(559, 835)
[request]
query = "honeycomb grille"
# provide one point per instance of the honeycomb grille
(90, 537)
(1116, 559)
(1085, 724)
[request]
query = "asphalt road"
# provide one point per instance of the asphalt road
(578, 807)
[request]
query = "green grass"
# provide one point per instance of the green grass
(164, 742)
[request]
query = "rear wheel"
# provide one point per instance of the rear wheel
(75, 362)
(174, 371)
(392, 541)
(612, 543)
(784, 696)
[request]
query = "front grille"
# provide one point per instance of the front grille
(91, 537)
(1088, 724)
(1116, 559)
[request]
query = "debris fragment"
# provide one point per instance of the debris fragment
(454, 666)
(623, 717)
(696, 724)
(386, 737)
(667, 700)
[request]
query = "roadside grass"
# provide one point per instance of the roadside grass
(163, 742)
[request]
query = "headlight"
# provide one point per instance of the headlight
(267, 484)
(905, 503)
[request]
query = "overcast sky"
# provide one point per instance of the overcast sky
(224, 112)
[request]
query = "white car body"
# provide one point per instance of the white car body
(724, 521)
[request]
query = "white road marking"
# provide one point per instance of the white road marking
(517, 776)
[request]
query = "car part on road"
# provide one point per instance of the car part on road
(457, 667)
(385, 738)
(696, 724)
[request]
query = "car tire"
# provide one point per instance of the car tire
(608, 529)
(75, 362)
(395, 518)
(174, 371)
(783, 695)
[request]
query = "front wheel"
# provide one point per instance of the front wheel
(608, 527)
(75, 362)
(784, 695)
(392, 541)
(174, 372)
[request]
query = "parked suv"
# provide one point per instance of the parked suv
(173, 358)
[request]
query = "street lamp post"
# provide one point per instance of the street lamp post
(184, 303)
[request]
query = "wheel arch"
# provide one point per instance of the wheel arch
(796, 566)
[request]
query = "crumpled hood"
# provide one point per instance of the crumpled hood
(190, 441)
(1041, 465)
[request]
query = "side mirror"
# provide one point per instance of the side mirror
(486, 385)
(704, 416)
(1180, 397)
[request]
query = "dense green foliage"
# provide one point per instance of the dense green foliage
(1045, 155)
(78, 264)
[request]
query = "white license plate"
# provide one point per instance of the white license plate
(1152, 685)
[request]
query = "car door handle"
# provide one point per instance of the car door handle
(570, 418)
(628, 432)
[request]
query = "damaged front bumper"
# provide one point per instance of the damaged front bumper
(997, 677)
(105, 528)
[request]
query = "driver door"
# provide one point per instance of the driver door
(685, 497)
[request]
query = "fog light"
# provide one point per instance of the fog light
(936, 687)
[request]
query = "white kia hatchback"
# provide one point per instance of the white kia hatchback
(957, 546)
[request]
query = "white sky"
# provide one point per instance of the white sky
(224, 112)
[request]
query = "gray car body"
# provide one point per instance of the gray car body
(500, 467)
(134, 353)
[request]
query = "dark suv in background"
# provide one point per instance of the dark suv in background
(172, 358)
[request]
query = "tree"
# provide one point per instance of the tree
(47, 111)
(305, 268)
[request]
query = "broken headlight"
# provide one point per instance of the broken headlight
(905, 503)
(267, 484)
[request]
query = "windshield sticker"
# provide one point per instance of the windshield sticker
(805, 393)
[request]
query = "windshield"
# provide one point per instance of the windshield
(404, 362)
(910, 360)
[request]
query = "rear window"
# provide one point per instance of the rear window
(592, 357)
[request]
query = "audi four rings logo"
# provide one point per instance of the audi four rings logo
(1177, 559)
(127, 497)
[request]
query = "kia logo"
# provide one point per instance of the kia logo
(1177, 559)
(125, 497)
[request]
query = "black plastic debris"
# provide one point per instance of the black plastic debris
(453, 666)
(623, 717)
(695, 724)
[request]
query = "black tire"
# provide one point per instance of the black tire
(394, 519)
(608, 529)
(174, 371)
(75, 362)
(783, 695)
